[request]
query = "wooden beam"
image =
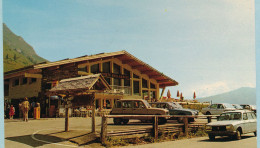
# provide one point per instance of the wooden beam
(30, 75)
(161, 81)
(137, 66)
(93, 114)
(127, 61)
(162, 93)
(154, 76)
(146, 71)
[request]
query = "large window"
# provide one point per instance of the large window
(117, 82)
(108, 80)
(127, 81)
(136, 88)
(95, 68)
(152, 85)
(116, 69)
(24, 81)
(144, 83)
(136, 76)
(16, 82)
(106, 67)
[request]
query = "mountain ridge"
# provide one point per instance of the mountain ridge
(243, 95)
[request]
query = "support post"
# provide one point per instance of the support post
(93, 114)
(155, 128)
(162, 93)
(186, 126)
(209, 119)
(103, 130)
(66, 118)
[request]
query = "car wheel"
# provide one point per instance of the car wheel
(237, 135)
(117, 121)
(255, 133)
(211, 137)
(125, 121)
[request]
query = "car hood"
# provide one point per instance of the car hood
(227, 122)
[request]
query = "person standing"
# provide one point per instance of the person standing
(25, 109)
(11, 112)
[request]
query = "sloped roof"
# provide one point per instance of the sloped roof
(126, 58)
(79, 84)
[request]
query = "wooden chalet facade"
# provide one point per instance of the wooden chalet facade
(127, 76)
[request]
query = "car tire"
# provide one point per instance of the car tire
(211, 137)
(191, 120)
(208, 113)
(237, 136)
(117, 121)
(125, 121)
(255, 133)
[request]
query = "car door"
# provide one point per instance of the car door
(140, 109)
(251, 122)
(213, 109)
(245, 124)
(220, 109)
(127, 107)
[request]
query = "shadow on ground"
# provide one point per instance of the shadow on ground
(27, 139)
(225, 139)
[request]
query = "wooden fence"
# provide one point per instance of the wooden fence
(184, 127)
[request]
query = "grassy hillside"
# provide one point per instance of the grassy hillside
(244, 95)
(17, 53)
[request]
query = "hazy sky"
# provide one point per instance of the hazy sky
(208, 46)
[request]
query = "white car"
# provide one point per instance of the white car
(233, 124)
(217, 109)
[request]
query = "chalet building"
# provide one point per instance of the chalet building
(127, 76)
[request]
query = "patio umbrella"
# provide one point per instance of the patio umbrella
(194, 95)
(178, 93)
(169, 94)
(181, 98)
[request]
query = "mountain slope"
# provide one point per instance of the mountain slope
(244, 95)
(17, 53)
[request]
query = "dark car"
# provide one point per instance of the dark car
(175, 109)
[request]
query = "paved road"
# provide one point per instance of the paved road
(38, 133)
(247, 141)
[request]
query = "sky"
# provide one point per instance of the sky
(208, 46)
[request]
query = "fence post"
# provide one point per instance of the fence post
(209, 119)
(186, 127)
(103, 130)
(155, 127)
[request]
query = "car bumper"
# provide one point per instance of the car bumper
(221, 133)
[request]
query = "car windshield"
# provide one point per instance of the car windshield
(176, 105)
(147, 104)
(237, 106)
(229, 105)
(230, 116)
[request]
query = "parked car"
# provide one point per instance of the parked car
(233, 124)
(175, 109)
(237, 106)
(249, 107)
(217, 108)
(136, 107)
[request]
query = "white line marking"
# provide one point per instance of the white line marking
(51, 142)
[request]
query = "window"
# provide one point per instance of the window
(106, 67)
(138, 104)
(152, 85)
(135, 76)
(84, 69)
(136, 87)
(127, 104)
(16, 82)
(117, 82)
(118, 104)
(95, 68)
(145, 94)
(24, 81)
(144, 83)
(127, 81)
(250, 116)
(33, 80)
(6, 90)
(116, 69)
(214, 106)
(245, 116)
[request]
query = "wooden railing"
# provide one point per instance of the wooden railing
(184, 127)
